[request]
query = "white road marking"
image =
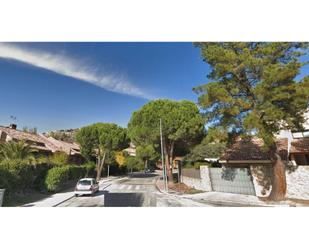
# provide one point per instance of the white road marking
(122, 187)
(129, 187)
(137, 187)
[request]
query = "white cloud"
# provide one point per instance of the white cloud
(67, 66)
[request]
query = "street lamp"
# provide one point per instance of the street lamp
(162, 155)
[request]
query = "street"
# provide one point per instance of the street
(137, 190)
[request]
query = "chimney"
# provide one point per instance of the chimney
(13, 126)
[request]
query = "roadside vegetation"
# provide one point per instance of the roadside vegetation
(22, 171)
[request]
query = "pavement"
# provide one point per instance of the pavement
(219, 199)
(135, 190)
(63, 196)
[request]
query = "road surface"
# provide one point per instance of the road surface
(137, 190)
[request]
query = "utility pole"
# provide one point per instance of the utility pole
(163, 164)
(107, 171)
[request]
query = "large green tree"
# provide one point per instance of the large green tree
(101, 140)
(254, 90)
(181, 122)
(146, 153)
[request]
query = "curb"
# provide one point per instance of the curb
(63, 201)
(220, 203)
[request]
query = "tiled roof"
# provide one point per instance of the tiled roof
(41, 141)
(300, 145)
(34, 138)
(245, 150)
(69, 148)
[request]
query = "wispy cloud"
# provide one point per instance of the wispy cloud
(65, 65)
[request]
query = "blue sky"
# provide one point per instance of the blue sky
(67, 85)
(37, 90)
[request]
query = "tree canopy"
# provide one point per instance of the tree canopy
(254, 91)
(253, 87)
(181, 122)
(102, 140)
(16, 150)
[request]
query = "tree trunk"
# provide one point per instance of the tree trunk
(167, 164)
(279, 185)
(100, 166)
(146, 164)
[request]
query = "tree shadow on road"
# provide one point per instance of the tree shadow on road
(142, 175)
(123, 199)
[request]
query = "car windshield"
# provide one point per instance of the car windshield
(84, 182)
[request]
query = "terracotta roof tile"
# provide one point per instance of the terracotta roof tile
(50, 143)
(300, 145)
(252, 149)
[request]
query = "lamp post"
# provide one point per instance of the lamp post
(162, 155)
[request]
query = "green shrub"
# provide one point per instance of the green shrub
(17, 175)
(90, 169)
(77, 172)
(56, 177)
(59, 158)
(134, 163)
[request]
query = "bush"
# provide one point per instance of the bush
(77, 172)
(90, 169)
(56, 177)
(16, 175)
(134, 163)
(59, 158)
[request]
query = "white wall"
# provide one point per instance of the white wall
(297, 184)
(202, 183)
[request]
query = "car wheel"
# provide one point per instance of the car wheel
(76, 195)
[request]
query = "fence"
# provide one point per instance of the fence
(220, 179)
(193, 173)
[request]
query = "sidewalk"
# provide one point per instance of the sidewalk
(221, 199)
(231, 200)
(56, 199)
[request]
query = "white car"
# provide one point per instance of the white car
(86, 186)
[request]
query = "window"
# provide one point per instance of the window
(84, 182)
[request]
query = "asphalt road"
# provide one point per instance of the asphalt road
(137, 190)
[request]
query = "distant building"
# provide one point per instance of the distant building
(43, 144)
(131, 150)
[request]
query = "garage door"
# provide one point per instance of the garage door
(236, 180)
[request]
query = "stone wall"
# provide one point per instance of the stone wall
(297, 182)
(202, 183)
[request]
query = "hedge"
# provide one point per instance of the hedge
(18, 176)
(58, 176)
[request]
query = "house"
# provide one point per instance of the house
(247, 152)
(42, 144)
(298, 143)
(292, 146)
(131, 150)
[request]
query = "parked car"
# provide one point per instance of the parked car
(86, 186)
(149, 170)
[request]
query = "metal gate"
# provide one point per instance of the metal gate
(232, 180)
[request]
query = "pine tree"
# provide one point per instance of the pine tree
(254, 90)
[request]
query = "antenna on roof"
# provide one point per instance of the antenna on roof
(13, 118)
